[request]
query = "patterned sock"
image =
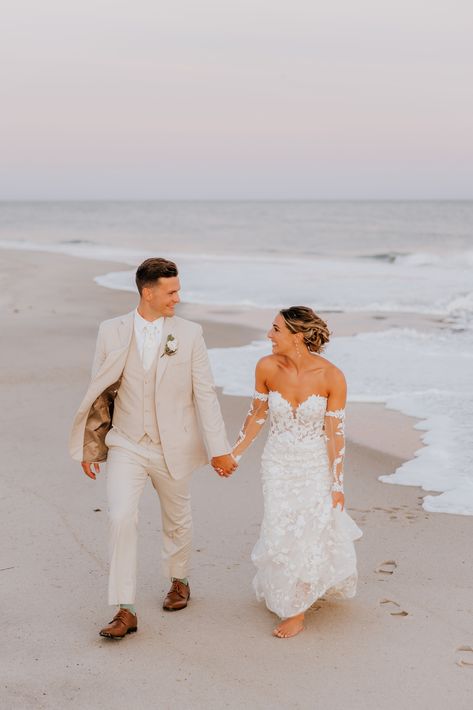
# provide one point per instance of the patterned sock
(129, 607)
(184, 580)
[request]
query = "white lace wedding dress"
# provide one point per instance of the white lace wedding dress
(305, 549)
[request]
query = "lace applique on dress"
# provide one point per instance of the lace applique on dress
(335, 437)
(302, 424)
(254, 422)
(305, 549)
(338, 413)
(261, 396)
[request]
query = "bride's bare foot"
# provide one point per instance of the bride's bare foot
(290, 627)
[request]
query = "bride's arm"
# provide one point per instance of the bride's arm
(335, 433)
(256, 417)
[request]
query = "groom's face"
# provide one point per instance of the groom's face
(163, 295)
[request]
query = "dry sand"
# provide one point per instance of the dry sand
(218, 653)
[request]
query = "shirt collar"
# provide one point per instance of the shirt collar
(141, 323)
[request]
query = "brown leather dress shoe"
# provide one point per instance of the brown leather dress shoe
(123, 623)
(177, 597)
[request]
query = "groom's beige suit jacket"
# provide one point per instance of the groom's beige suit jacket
(187, 408)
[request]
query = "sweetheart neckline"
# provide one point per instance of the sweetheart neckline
(295, 409)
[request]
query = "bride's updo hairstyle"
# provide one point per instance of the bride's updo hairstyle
(301, 319)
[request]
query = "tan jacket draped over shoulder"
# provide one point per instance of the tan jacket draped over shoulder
(187, 408)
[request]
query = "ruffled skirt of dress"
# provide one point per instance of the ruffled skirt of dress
(305, 549)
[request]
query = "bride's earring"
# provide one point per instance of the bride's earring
(298, 350)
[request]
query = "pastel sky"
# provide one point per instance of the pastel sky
(170, 99)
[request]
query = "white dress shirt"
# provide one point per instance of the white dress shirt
(156, 328)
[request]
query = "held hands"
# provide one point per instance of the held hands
(338, 497)
(86, 467)
(224, 465)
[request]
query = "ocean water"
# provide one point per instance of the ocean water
(344, 256)
(380, 229)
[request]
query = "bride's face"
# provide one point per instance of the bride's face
(281, 337)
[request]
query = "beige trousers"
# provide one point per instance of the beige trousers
(128, 467)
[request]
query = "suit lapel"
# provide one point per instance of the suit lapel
(126, 329)
(162, 358)
(125, 333)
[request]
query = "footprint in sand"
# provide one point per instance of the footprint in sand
(387, 567)
(394, 607)
(411, 517)
(360, 510)
(315, 607)
(464, 656)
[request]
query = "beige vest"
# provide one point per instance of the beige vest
(134, 412)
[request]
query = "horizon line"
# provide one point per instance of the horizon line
(231, 199)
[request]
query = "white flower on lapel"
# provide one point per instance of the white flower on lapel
(170, 347)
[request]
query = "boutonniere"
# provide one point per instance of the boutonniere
(170, 347)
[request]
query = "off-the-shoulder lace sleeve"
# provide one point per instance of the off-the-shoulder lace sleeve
(335, 438)
(254, 422)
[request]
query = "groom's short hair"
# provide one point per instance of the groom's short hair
(153, 269)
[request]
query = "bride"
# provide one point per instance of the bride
(305, 549)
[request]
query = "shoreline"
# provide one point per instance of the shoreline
(219, 653)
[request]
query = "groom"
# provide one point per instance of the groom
(150, 406)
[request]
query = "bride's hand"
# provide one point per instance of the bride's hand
(224, 465)
(337, 498)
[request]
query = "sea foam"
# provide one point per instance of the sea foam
(325, 284)
(410, 283)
